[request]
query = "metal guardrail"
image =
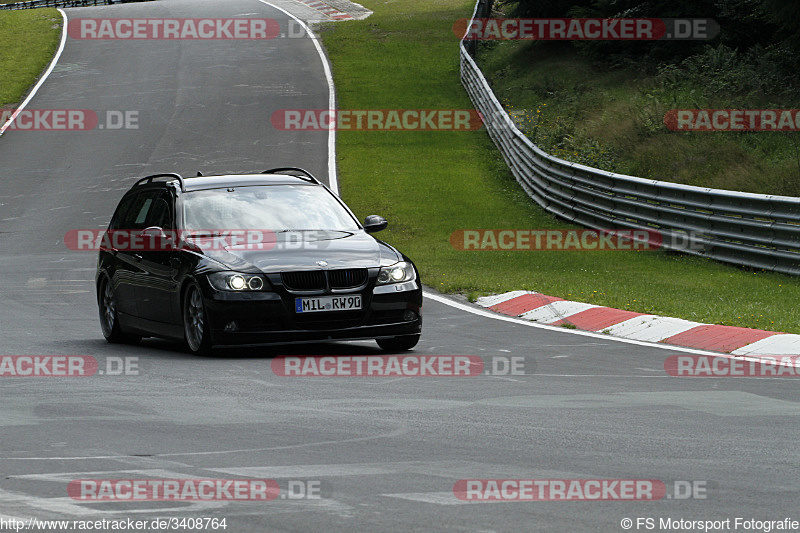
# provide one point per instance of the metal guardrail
(746, 229)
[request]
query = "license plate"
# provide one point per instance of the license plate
(327, 303)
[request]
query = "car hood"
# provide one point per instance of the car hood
(303, 250)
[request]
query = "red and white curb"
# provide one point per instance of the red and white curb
(555, 311)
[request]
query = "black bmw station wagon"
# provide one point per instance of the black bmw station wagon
(268, 258)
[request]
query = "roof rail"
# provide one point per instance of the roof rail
(307, 176)
(149, 179)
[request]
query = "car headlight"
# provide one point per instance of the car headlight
(397, 273)
(239, 282)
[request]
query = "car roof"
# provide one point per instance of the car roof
(275, 176)
(241, 180)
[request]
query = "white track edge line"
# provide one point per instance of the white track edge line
(333, 182)
(44, 76)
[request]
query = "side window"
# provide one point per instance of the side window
(160, 212)
(143, 210)
(126, 212)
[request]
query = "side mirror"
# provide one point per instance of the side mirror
(159, 239)
(154, 231)
(375, 223)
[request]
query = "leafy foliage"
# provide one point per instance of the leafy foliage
(769, 27)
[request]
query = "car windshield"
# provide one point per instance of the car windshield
(268, 207)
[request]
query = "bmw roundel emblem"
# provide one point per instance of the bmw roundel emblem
(323, 264)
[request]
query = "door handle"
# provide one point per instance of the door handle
(138, 257)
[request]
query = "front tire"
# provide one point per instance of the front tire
(195, 322)
(109, 322)
(398, 344)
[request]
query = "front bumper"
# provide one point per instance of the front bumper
(270, 317)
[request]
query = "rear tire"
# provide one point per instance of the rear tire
(195, 322)
(109, 322)
(398, 344)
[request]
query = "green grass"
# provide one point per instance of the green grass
(28, 40)
(429, 184)
(613, 119)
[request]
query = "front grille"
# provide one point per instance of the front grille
(347, 278)
(313, 280)
(333, 320)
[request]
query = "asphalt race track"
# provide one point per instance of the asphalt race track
(382, 453)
